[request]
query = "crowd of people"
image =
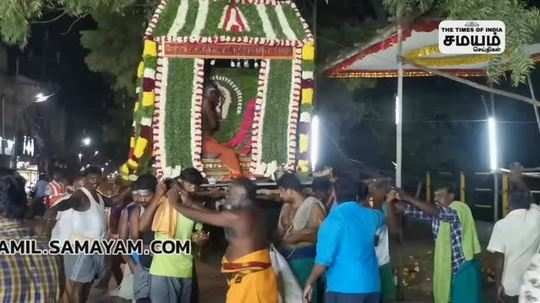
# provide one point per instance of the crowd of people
(334, 236)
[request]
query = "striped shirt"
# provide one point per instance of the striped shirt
(29, 278)
(448, 215)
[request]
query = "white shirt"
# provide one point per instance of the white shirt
(382, 250)
(516, 236)
(90, 224)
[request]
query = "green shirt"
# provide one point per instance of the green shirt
(176, 266)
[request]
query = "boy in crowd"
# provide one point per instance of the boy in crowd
(144, 191)
(172, 278)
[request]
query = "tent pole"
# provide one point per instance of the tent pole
(529, 81)
(399, 111)
(496, 172)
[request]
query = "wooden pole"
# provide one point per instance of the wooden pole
(428, 187)
(505, 194)
(462, 187)
(473, 84)
(399, 110)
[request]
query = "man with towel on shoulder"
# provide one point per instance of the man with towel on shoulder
(298, 225)
(172, 275)
(247, 258)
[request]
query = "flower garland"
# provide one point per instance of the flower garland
(155, 19)
(267, 25)
(287, 30)
(196, 114)
(308, 56)
(141, 140)
(235, 88)
(180, 19)
(257, 130)
(294, 109)
(158, 122)
(202, 15)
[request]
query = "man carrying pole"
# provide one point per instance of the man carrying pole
(456, 272)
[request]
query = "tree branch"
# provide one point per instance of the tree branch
(473, 84)
(51, 20)
(72, 24)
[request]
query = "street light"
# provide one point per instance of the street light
(80, 157)
(492, 136)
(96, 153)
(41, 97)
(86, 141)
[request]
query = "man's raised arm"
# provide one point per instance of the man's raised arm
(147, 217)
(185, 205)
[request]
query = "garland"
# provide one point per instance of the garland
(196, 113)
(158, 122)
(141, 140)
(235, 88)
(179, 19)
(257, 130)
(308, 57)
(294, 108)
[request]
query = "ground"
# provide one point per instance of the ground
(415, 254)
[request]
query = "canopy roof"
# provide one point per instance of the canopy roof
(259, 22)
(378, 59)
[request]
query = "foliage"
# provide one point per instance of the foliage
(521, 24)
(106, 44)
(17, 16)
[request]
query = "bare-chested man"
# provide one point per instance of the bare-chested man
(247, 259)
(211, 115)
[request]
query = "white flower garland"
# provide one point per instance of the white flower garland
(200, 21)
(309, 35)
(221, 23)
(196, 114)
(243, 39)
(260, 106)
(236, 89)
(180, 19)
(287, 30)
(155, 19)
(294, 108)
(267, 25)
(159, 147)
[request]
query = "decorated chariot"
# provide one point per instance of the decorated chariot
(260, 55)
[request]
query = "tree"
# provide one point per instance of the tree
(114, 47)
(521, 22)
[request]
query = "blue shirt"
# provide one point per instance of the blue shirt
(346, 246)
